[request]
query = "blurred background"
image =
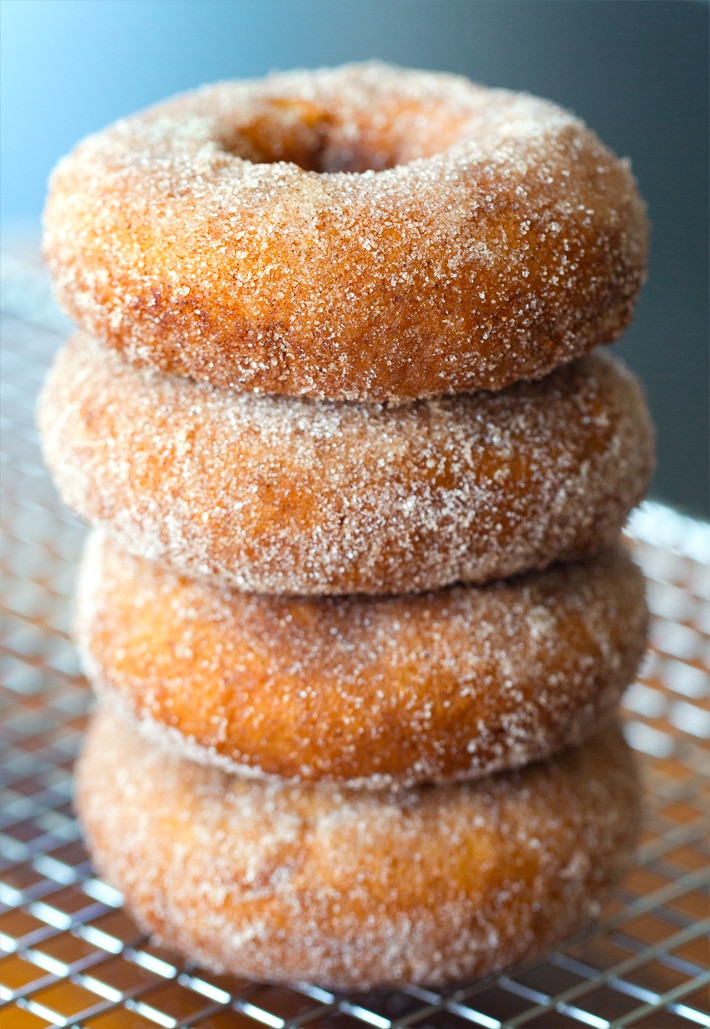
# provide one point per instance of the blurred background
(634, 70)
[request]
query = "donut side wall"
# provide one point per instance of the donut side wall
(457, 683)
(275, 495)
(432, 886)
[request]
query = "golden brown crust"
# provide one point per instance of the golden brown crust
(355, 889)
(370, 691)
(418, 235)
(291, 495)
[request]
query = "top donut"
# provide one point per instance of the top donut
(363, 233)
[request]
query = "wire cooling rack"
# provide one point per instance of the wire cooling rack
(70, 956)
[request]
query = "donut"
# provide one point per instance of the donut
(365, 691)
(291, 495)
(353, 889)
(364, 233)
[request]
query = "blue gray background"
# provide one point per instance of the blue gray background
(635, 70)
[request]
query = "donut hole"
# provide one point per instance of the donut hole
(325, 139)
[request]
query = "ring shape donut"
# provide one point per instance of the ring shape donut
(352, 889)
(364, 233)
(369, 692)
(291, 495)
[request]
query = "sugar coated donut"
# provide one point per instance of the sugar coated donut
(352, 889)
(363, 233)
(369, 692)
(292, 495)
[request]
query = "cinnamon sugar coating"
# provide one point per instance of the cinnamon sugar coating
(363, 233)
(352, 889)
(370, 692)
(292, 495)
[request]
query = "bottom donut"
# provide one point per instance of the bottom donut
(350, 889)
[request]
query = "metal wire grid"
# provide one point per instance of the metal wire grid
(72, 957)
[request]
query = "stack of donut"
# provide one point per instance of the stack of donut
(355, 605)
